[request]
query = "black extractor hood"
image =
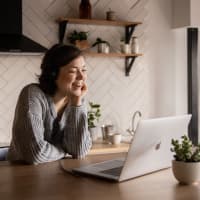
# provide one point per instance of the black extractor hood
(12, 40)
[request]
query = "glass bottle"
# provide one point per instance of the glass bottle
(85, 9)
(135, 45)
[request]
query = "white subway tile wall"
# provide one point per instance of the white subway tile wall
(118, 95)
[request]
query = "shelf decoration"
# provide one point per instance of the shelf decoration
(129, 29)
(79, 39)
(85, 9)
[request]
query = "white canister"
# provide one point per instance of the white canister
(125, 48)
(103, 48)
(135, 45)
(110, 15)
(115, 138)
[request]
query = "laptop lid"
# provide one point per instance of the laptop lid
(150, 149)
(148, 152)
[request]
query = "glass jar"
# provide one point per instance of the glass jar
(135, 45)
(85, 9)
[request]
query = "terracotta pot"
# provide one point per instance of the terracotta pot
(186, 172)
(82, 44)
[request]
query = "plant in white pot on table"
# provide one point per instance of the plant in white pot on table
(94, 114)
(186, 166)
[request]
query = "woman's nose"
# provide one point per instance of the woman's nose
(80, 75)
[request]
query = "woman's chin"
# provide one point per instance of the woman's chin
(77, 93)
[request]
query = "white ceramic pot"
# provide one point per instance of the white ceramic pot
(115, 138)
(125, 48)
(186, 172)
(94, 133)
(103, 48)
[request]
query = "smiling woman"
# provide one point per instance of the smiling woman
(50, 117)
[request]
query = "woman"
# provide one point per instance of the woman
(50, 117)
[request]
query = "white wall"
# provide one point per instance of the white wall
(161, 60)
(150, 86)
(181, 13)
(181, 69)
(186, 13)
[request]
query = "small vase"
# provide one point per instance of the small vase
(82, 44)
(85, 9)
(94, 133)
(135, 45)
(103, 48)
(186, 172)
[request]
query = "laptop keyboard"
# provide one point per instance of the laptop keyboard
(107, 165)
(114, 171)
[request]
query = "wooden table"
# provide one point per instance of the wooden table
(103, 147)
(99, 147)
(48, 182)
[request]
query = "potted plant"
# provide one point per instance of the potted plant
(186, 163)
(102, 45)
(94, 114)
(79, 39)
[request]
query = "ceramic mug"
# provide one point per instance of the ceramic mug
(107, 130)
(115, 138)
(103, 48)
(125, 48)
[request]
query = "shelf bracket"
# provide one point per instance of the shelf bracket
(128, 64)
(128, 32)
(62, 28)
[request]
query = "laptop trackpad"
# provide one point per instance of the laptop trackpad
(112, 167)
(114, 171)
(109, 164)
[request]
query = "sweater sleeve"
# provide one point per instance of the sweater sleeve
(28, 132)
(77, 141)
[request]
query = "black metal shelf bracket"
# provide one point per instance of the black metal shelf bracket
(128, 64)
(129, 60)
(61, 32)
(129, 32)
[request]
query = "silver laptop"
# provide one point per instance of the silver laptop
(148, 152)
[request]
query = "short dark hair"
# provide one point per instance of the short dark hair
(55, 58)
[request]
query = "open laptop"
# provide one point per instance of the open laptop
(148, 152)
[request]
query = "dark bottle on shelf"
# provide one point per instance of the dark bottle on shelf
(85, 9)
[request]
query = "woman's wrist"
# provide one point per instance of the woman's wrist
(75, 101)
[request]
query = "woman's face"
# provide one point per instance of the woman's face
(71, 78)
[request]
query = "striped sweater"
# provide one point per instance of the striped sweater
(39, 136)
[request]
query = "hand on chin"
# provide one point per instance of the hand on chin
(77, 93)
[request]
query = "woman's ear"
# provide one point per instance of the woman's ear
(53, 74)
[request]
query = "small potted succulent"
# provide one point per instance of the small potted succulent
(102, 45)
(94, 114)
(186, 163)
(79, 39)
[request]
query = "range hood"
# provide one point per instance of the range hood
(12, 40)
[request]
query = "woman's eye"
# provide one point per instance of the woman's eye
(84, 70)
(72, 71)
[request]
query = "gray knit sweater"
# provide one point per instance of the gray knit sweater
(39, 136)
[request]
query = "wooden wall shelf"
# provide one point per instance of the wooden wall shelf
(101, 147)
(112, 54)
(97, 22)
(129, 29)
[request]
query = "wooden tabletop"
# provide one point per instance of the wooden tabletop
(49, 181)
(103, 147)
(99, 147)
